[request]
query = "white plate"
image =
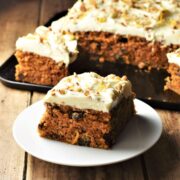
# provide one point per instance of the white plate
(141, 133)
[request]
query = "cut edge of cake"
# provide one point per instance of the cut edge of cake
(173, 81)
(140, 33)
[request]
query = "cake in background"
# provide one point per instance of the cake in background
(140, 32)
(44, 57)
(173, 81)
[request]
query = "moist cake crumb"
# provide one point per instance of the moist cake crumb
(173, 81)
(93, 120)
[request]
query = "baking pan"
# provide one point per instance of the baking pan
(148, 85)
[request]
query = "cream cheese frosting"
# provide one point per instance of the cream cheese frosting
(90, 91)
(60, 47)
(174, 57)
(154, 20)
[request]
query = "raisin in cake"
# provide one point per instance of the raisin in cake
(44, 57)
(87, 109)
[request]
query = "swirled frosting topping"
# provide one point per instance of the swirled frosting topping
(60, 46)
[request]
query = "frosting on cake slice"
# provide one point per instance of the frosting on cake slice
(174, 57)
(152, 19)
(61, 47)
(90, 91)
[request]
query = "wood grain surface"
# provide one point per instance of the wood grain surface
(12, 17)
(18, 17)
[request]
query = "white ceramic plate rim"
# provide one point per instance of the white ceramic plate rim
(21, 122)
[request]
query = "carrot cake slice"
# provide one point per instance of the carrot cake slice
(140, 32)
(173, 81)
(87, 109)
(43, 57)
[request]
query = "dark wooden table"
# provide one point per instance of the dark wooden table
(19, 17)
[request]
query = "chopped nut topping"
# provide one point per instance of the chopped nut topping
(93, 2)
(124, 78)
(83, 7)
(86, 93)
(115, 13)
(53, 92)
(62, 91)
(142, 13)
(162, 16)
(175, 24)
(101, 19)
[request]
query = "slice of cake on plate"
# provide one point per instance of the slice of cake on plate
(44, 57)
(173, 81)
(140, 32)
(87, 109)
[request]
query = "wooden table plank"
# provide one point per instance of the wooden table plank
(50, 8)
(11, 156)
(15, 22)
(163, 160)
(13, 15)
(43, 170)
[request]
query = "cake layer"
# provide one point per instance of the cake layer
(173, 81)
(153, 20)
(90, 91)
(38, 69)
(85, 127)
(130, 49)
(61, 47)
